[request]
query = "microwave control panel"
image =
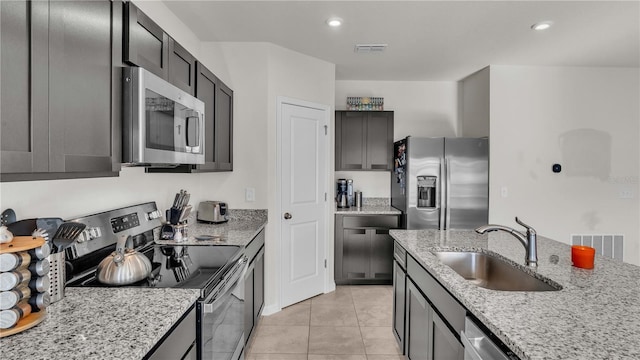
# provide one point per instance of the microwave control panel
(125, 222)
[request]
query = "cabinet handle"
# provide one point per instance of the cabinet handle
(287, 216)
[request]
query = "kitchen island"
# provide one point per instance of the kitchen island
(102, 323)
(596, 314)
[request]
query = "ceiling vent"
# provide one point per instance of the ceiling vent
(370, 48)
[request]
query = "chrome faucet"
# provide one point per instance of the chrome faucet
(529, 241)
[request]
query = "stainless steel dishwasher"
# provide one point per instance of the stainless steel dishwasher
(479, 346)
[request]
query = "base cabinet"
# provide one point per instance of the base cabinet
(445, 344)
(364, 249)
(428, 323)
(179, 342)
(418, 318)
(254, 286)
(399, 293)
(428, 337)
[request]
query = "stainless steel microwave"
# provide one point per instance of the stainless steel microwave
(162, 125)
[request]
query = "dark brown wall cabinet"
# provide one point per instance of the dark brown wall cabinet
(182, 68)
(60, 95)
(364, 140)
(427, 319)
(148, 46)
(364, 249)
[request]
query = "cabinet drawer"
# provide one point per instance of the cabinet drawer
(178, 341)
(442, 301)
(400, 254)
(251, 250)
(371, 221)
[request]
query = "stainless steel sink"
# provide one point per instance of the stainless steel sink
(491, 272)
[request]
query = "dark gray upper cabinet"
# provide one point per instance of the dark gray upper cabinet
(206, 89)
(379, 140)
(224, 127)
(351, 140)
(182, 67)
(146, 44)
(364, 140)
(59, 79)
(80, 86)
(24, 91)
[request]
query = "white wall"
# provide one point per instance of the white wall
(421, 109)
(474, 104)
(247, 69)
(587, 120)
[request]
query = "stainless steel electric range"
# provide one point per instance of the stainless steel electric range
(218, 271)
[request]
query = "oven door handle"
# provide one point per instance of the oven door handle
(226, 284)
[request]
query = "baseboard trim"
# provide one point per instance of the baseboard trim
(270, 310)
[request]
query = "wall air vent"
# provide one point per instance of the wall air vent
(370, 48)
(610, 245)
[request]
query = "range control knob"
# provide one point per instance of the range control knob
(153, 215)
(84, 236)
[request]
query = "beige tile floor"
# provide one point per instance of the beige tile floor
(351, 323)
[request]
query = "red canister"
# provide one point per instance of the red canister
(582, 256)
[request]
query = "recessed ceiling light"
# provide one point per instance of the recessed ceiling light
(334, 21)
(544, 25)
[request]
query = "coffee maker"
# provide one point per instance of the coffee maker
(342, 194)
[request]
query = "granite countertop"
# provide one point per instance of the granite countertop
(101, 323)
(369, 210)
(370, 206)
(242, 227)
(595, 316)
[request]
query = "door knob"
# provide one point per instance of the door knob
(287, 216)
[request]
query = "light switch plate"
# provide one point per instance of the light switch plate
(504, 192)
(250, 194)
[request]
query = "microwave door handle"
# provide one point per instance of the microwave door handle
(192, 133)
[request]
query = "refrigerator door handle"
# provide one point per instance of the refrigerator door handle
(442, 205)
(447, 191)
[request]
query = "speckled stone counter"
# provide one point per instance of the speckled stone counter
(101, 323)
(242, 227)
(595, 316)
(370, 206)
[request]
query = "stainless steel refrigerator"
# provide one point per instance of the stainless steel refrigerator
(441, 183)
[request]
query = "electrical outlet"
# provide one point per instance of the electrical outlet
(250, 194)
(626, 193)
(504, 192)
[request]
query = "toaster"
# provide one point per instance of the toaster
(212, 212)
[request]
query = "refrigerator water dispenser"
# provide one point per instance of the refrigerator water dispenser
(427, 191)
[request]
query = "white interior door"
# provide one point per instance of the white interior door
(303, 143)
